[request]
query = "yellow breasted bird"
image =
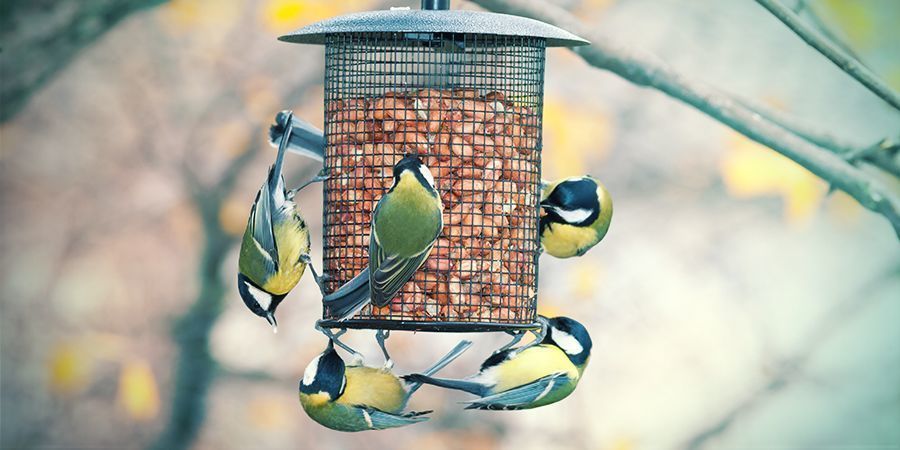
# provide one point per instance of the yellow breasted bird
(359, 398)
(578, 211)
(275, 246)
(530, 376)
(405, 224)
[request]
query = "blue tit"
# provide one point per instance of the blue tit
(529, 376)
(405, 224)
(275, 246)
(305, 139)
(359, 398)
(577, 214)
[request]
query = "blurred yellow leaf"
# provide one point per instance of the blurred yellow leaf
(753, 170)
(194, 15)
(138, 394)
(233, 216)
(623, 443)
(586, 277)
(269, 413)
(287, 15)
(853, 19)
(573, 135)
(69, 368)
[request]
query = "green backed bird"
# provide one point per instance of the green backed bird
(577, 214)
(275, 246)
(405, 224)
(359, 398)
(529, 376)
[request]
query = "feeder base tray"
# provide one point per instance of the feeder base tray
(440, 327)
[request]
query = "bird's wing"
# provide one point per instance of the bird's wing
(521, 396)
(380, 420)
(390, 272)
(261, 227)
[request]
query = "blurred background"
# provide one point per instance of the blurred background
(734, 303)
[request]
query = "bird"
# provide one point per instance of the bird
(275, 246)
(578, 211)
(357, 397)
(406, 223)
(529, 376)
(305, 139)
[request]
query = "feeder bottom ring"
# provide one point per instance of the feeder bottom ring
(427, 326)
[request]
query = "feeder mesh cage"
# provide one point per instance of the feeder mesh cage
(470, 107)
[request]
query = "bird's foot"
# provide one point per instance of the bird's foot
(321, 176)
(381, 336)
(539, 334)
(319, 279)
(517, 336)
(334, 337)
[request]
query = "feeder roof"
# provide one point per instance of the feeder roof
(434, 21)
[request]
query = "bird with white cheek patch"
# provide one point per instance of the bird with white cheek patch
(577, 213)
(530, 376)
(405, 225)
(275, 246)
(359, 398)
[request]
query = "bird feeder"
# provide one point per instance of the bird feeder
(464, 91)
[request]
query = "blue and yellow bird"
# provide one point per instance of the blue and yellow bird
(578, 211)
(360, 398)
(405, 224)
(530, 376)
(275, 246)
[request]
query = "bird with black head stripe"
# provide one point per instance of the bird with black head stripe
(405, 225)
(275, 246)
(358, 397)
(529, 376)
(577, 214)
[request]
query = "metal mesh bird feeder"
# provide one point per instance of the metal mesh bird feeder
(464, 91)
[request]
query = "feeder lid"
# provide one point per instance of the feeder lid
(434, 21)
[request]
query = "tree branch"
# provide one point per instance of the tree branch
(56, 32)
(834, 321)
(831, 51)
(646, 70)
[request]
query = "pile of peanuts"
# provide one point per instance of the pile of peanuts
(483, 153)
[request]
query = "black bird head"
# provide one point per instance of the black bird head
(573, 201)
(414, 165)
(325, 374)
(262, 303)
(571, 337)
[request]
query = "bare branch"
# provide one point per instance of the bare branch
(840, 316)
(646, 70)
(832, 51)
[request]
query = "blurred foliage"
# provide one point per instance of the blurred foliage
(749, 170)
(138, 393)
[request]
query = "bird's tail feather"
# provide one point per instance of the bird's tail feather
(275, 171)
(348, 299)
(441, 363)
(460, 385)
(305, 139)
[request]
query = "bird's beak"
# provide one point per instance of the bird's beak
(271, 319)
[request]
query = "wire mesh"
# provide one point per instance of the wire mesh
(470, 106)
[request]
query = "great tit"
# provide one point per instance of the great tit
(529, 376)
(305, 138)
(405, 224)
(359, 398)
(578, 211)
(275, 246)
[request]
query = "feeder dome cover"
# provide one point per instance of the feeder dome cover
(434, 21)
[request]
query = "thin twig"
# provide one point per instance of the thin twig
(646, 70)
(838, 317)
(831, 51)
